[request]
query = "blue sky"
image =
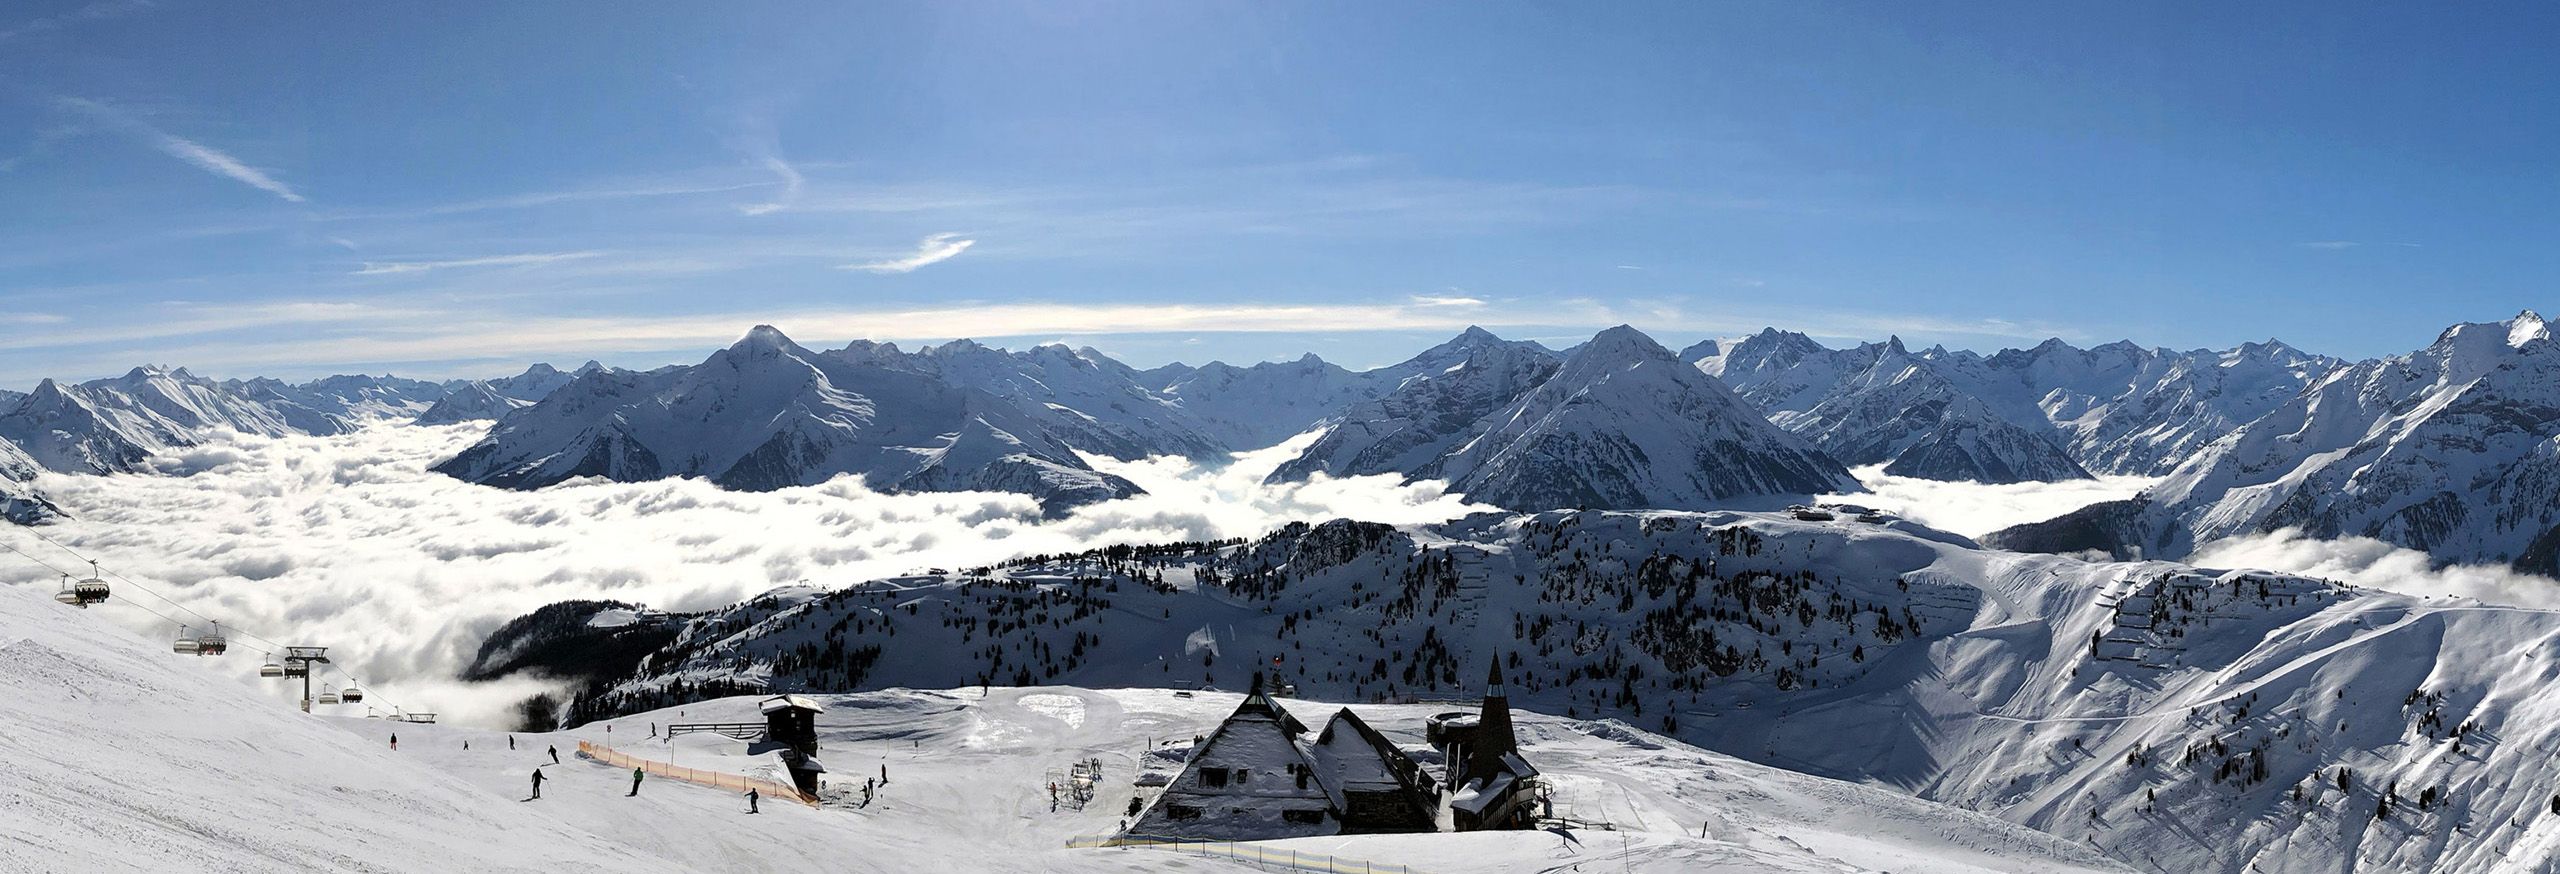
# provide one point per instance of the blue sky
(303, 188)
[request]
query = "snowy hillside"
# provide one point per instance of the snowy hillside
(1409, 430)
(2165, 714)
(1895, 409)
(2450, 450)
(1261, 405)
(476, 399)
(111, 425)
(2048, 413)
(1624, 424)
(127, 757)
(20, 502)
(766, 413)
(1090, 401)
(334, 404)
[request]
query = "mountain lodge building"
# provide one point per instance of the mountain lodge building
(1258, 777)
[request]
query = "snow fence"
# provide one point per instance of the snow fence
(714, 779)
(1268, 857)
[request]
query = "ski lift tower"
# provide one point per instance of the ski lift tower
(297, 663)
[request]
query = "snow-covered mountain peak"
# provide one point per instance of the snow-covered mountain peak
(2527, 327)
(765, 338)
(1621, 346)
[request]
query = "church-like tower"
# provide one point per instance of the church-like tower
(1493, 737)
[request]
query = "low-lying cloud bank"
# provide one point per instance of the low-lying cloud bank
(2374, 564)
(1976, 509)
(351, 543)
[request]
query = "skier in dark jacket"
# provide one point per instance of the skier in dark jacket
(395, 741)
(555, 755)
(635, 782)
(751, 801)
(537, 785)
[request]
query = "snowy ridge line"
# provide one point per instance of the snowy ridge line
(1291, 860)
(605, 755)
(271, 647)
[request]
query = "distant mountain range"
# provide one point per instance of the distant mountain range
(2453, 450)
(2447, 449)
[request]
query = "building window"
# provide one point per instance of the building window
(1303, 817)
(1213, 777)
(1179, 811)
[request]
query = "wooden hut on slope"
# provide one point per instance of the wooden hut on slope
(1258, 777)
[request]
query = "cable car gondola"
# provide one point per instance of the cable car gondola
(352, 695)
(185, 644)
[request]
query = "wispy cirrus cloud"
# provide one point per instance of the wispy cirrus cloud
(380, 268)
(204, 157)
(931, 250)
(792, 182)
(103, 9)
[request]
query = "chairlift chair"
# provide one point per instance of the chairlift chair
(212, 642)
(271, 670)
(85, 591)
(327, 698)
(185, 644)
(352, 695)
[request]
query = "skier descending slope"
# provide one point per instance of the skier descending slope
(537, 785)
(751, 801)
(635, 783)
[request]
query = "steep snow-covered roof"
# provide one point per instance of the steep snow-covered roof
(780, 703)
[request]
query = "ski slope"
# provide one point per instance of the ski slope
(119, 756)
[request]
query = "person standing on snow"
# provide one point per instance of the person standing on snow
(511, 743)
(751, 800)
(395, 741)
(537, 785)
(635, 782)
(555, 754)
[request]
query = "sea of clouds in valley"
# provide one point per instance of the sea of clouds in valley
(350, 542)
